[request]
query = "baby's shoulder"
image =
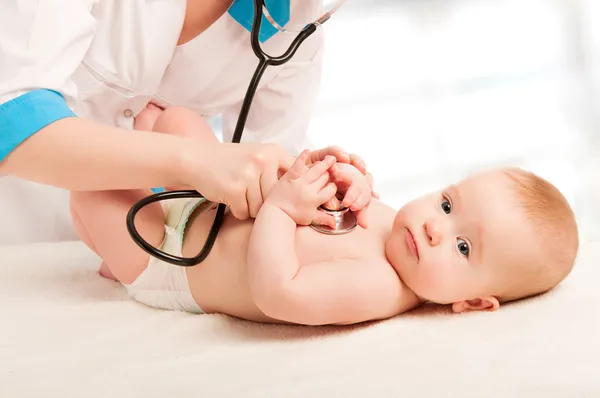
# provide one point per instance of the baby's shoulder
(382, 289)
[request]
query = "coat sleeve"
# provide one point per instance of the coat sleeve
(282, 108)
(42, 43)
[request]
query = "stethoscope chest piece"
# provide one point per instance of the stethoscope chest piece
(345, 222)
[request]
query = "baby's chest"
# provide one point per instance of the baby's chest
(313, 247)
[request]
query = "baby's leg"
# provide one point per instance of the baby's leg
(183, 121)
(87, 239)
(99, 217)
(176, 121)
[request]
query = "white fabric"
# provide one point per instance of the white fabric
(163, 285)
(109, 58)
(68, 333)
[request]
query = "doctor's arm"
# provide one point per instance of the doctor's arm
(41, 138)
(79, 154)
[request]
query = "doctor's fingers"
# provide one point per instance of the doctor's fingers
(254, 198)
(244, 191)
(268, 179)
(239, 206)
(258, 177)
(358, 162)
(277, 155)
(259, 183)
(372, 185)
(267, 156)
(336, 151)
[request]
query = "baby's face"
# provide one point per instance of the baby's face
(449, 246)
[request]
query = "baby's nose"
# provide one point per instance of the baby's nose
(433, 231)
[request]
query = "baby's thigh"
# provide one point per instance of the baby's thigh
(100, 218)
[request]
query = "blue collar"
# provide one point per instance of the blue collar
(243, 12)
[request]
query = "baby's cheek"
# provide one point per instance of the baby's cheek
(434, 277)
(435, 280)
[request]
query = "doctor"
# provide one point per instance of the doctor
(75, 73)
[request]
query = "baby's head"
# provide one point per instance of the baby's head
(494, 237)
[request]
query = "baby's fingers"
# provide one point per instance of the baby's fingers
(361, 217)
(358, 162)
(327, 193)
(363, 200)
(319, 169)
(299, 165)
(322, 218)
(352, 195)
(320, 182)
(333, 204)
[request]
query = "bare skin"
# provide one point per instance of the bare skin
(221, 283)
(199, 16)
(276, 269)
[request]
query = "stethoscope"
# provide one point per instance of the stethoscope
(345, 221)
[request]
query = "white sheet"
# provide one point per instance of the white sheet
(67, 333)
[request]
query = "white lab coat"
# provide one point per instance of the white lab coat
(109, 58)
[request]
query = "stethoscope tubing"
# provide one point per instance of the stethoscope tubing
(264, 62)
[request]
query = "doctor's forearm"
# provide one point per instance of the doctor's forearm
(79, 154)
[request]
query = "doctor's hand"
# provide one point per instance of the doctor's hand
(238, 175)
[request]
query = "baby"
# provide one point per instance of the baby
(492, 238)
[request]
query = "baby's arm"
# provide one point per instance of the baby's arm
(338, 292)
(344, 291)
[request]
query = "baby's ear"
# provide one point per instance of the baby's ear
(478, 304)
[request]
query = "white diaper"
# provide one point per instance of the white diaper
(163, 285)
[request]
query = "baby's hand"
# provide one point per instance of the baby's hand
(345, 158)
(356, 188)
(303, 188)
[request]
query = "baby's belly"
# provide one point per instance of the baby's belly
(220, 283)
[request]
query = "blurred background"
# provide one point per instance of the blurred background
(429, 91)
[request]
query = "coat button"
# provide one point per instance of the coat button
(128, 113)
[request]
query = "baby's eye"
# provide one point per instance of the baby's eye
(446, 206)
(463, 247)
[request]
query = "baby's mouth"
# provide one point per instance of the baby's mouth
(412, 244)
